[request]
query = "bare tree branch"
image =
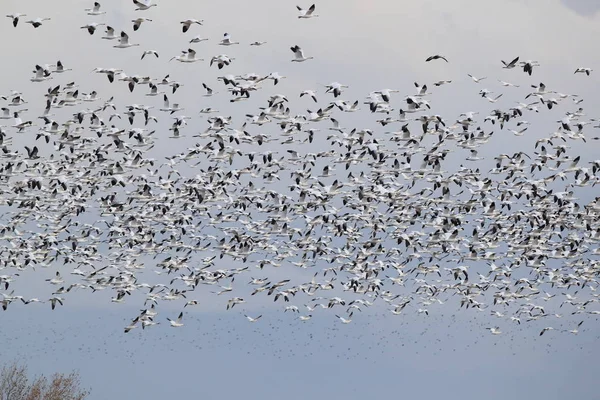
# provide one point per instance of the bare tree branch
(16, 385)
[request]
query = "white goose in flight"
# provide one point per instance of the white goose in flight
(15, 18)
(91, 28)
(168, 108)
(148, 53)
(59, 68)
(187, 56)
(476, 80)
(41, 74)
(198, 39)
(124, 42)
(308, 13)
(436, 57)
(252, 319)
(310, 93)
(227, 40)
(189, 22)
(138, 22)
(209, 91)
(143, 5)
(36, 23)
(511, 64)
(299, 54)
(345, 320)
(176, 323)
(335, 88)
(95, 10)
(587, 71)
(110, 33)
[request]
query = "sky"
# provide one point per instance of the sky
(368, 46)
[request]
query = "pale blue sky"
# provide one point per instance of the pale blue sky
(369, 46)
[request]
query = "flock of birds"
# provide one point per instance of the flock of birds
(380, 218)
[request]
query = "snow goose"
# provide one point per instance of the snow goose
(59, 68)
(310, 93)
(476, 80)
(436, 57)
(143, 5)
(548, 328)
(299, 54)
(138, 22)
(36, 23)
(507, 83)
(6, 114)
(153, 90)
(335, 88)
(187, 56)
(494, 331)
(56, 280)
(232, 302)
(91, 28)
(209, 91)
(345, 320)
(19, 124)
(176, 323)
(252, 319)
(511, 64)
(198, 39)
(257, 43)
(308, 13)
(227, 40)
(41, 74)
(124, 42)
(494, 99)
(95, 10)
(189, 22)
(110, 33)
(442, 82)
(587, 71)
(528, 66)
(275, 77)
(15, 18)
(55, 300)
(149, 52)
(386, 93)
(221, 60)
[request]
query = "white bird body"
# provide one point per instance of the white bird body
(143, 5)
(583, 70)
(15, 18)
(345, 320)
(198, 39)
(149, 52)
(176, 323)
(187, 56)
(189, 22)
(476, 80)
(137, 23)
(95, 10)
(91, 27)
(124, 42)
(226, 41)
(299, 54)
(36, 23)
(110, 34)
(308, 13)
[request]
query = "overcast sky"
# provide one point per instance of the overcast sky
(368, 46)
